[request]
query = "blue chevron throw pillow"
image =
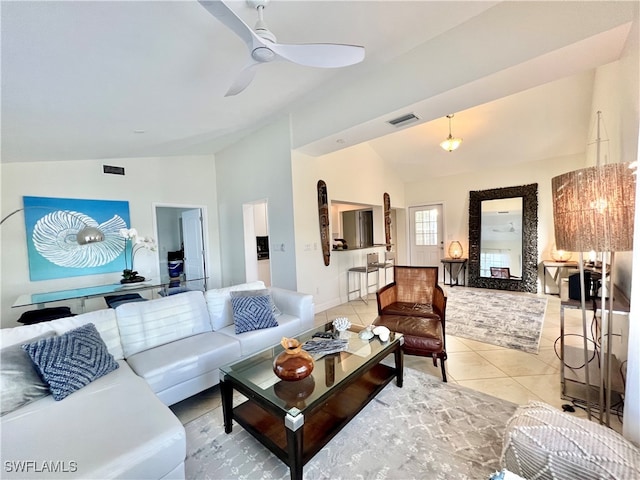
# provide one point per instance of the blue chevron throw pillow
(252, 313)
(72, 360)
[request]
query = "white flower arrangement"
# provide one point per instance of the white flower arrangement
(138, 243)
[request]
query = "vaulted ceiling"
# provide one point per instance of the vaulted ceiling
(92, 80)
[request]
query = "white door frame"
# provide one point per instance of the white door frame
(205, 228)
(408, 227)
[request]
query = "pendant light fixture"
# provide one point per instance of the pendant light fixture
(451, 142)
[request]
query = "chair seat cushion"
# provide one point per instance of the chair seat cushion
(411, 309)
(422, 336)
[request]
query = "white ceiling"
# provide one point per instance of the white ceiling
(92, 80)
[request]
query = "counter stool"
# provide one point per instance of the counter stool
(371, 267)
(389, 262)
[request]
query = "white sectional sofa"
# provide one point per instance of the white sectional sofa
(119, 425)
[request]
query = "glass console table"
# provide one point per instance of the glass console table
(164, 284)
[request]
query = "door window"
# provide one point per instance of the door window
(426, 227)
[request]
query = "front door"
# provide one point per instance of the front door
(427, 236)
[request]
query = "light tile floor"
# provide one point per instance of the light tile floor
(504, 373)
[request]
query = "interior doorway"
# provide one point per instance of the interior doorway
(257, 252)
(181, 245)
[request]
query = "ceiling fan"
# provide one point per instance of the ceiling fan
(263, 47)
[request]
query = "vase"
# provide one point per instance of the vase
(294, 363)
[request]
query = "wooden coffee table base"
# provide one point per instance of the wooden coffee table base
(296, 438)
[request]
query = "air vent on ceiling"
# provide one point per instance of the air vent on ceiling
(403, 120)
(113, 170)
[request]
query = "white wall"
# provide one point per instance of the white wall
(454, 193)
(184, 180)
(258, 168)
(355, 174)
(626, 87)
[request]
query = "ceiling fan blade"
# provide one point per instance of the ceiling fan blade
(243, 79)
(323, 55)
(228, 17)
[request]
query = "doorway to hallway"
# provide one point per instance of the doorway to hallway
(257, 254)
(180, 234)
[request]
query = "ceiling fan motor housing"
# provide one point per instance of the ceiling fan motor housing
(257, 3)
(263, 55)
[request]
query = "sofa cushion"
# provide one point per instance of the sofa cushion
(421, 334)
(144, 325)
(72, 360)
(20, 335)
(168, 365)
(20, 382)
(104, 321)
(219, 303)
(256, 340)
(115, 427)
(410, 308)
(252, 313)
(543, 442)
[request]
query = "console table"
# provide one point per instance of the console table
(555, 269)
(454, 266)
(165, 284)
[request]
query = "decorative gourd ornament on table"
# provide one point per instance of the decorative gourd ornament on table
(294, 363)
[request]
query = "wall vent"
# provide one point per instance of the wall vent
(404, 119)
(113, 170)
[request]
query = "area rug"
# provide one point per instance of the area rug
(499, 318)
(426, 430)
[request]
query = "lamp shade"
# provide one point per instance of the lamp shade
(451, 143)
(560, 255)
(89, 235)
(593, 208)
(455, 249)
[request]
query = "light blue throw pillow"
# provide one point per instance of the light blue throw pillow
(252, 313)
(71, 361)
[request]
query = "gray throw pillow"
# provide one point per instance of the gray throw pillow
(20, 382)
(71, 361)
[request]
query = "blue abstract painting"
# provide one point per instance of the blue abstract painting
(52, 225)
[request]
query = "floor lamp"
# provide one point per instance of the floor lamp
(593, 210)
(86, 235)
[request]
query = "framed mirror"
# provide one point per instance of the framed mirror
(503, 238)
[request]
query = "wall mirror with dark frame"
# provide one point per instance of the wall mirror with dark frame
(503, 238)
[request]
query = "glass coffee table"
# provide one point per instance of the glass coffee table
(296, 419)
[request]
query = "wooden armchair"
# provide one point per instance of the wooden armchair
(415, 305)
